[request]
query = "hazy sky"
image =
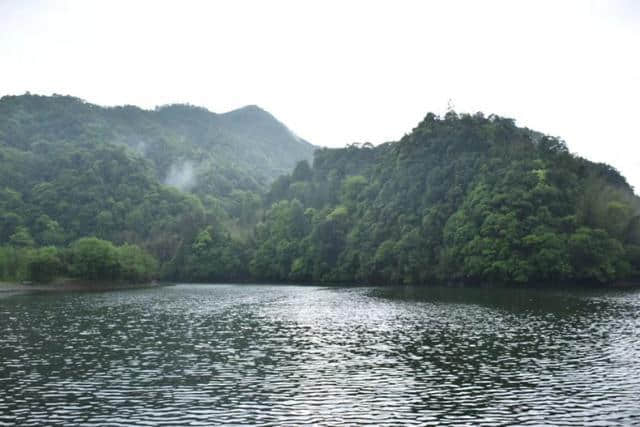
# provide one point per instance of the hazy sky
(342, 71)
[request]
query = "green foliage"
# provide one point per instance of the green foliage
(280, 242)
(21, 238)
(460, 199)
(213, 256)
(95, 259)
(463, 198)
(596, 256)
(302, 171)
(244, 149)
(14, 263)
(69, 169)
(88, 258)
(45, 264)
(136, 264)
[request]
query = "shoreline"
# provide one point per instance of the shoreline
(80, 285)
(71, 285)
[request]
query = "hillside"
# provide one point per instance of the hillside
(70, 169)
(461, 199)
(244, 149)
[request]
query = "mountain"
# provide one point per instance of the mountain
(461, 199)
(244, 149)
(70, 169)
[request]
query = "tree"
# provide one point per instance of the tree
(22, 238)
(94, 259)
(45, 264)
(136, 264)
(302, 171)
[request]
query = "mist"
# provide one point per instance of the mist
(181, 175)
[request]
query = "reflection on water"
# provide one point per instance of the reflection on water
(202, 355)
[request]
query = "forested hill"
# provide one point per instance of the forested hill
(70, 169)
(460, 199)
(188, 147)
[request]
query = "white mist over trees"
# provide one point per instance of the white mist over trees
(181, 175)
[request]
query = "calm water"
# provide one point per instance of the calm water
(203, 355)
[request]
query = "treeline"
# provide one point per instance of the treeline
(88, 258)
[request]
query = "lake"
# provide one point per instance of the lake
(273, 355)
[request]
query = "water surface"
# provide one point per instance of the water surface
(211, 354)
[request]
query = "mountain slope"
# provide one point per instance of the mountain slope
(244, 149)
(70, 169)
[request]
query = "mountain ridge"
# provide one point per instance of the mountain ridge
(250, 138)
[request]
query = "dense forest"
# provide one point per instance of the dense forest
(461, 199)
(154, 179)
(180, 193)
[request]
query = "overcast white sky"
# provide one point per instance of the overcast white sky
(343, 71)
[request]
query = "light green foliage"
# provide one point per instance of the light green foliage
(45, 264)
(14, 263)
(95, 259)
(21, 238)
(92, 258)
(136, 265)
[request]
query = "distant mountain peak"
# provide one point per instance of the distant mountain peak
(251, 107)
(249, 111)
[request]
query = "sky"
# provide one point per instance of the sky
(337, 72)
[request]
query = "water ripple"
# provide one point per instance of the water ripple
(274, 355)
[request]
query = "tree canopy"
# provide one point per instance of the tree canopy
(462, 198)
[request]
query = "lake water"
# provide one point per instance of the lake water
(212, 354)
